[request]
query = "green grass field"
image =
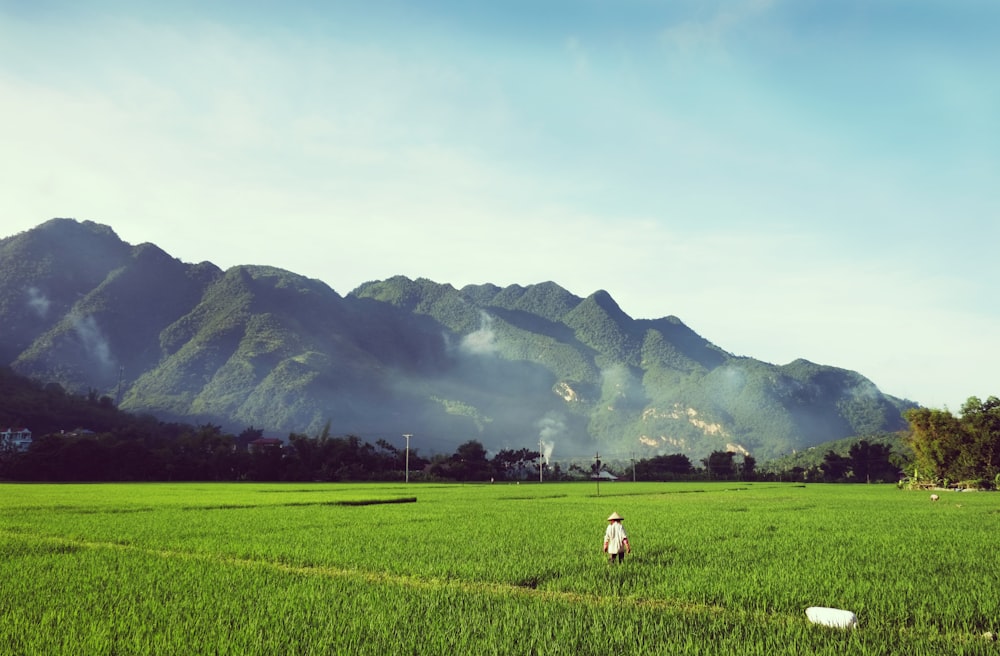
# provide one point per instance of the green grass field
(494, 569)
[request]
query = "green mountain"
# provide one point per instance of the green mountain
(510, 367)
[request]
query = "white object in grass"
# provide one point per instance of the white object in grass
(835, 617)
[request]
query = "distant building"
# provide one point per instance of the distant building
(78, 432)
(15, 439)
(266, 444)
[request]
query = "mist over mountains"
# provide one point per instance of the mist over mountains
(511, 367)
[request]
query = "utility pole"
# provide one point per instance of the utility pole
(407, 436)
(597, 471)
(633, 466)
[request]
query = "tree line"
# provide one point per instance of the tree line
(865, 462)
(207, 453)
(954, 450)
(944, 450)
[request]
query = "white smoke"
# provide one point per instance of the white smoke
(617, 380)
(734, 379)
(550, 427)
(38, 302)
(864, 391)
(483, 340)
(93, 340)
(547, 448)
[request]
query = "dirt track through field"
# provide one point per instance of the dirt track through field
(382, 577)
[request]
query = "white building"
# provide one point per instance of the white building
(15, 439)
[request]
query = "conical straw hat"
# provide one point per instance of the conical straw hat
(614, 516)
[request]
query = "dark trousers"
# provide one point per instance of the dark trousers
(618, 557)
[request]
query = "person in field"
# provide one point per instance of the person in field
(615, 540)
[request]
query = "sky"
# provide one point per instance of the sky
(791, 178)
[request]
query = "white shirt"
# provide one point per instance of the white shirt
(615, 537)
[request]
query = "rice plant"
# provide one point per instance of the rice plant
(493, 569)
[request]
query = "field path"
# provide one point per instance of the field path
(476, 587)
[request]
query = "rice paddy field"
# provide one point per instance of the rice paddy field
(506, 569)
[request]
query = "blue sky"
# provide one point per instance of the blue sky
(792, 179)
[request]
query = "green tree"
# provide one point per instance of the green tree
(965, 448)
(835, 467)
(982, 445)
(720, 465)
(936, 437)
(664, 467)
(871, 462)
(468, 463)
(510, 464)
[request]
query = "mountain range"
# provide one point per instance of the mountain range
(515, 366)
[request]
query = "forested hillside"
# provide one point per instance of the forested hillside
(265, 347)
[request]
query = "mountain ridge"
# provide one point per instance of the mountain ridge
(255, 345)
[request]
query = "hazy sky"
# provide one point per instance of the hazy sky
(792, 178)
